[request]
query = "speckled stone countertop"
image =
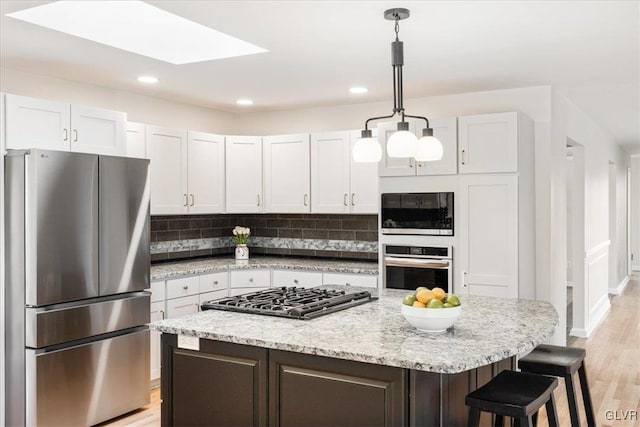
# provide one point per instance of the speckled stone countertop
(201, 266)
(489, 330)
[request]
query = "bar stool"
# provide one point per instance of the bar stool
(562, 362)
(514, 394)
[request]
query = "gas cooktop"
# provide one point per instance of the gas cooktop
(292, 302)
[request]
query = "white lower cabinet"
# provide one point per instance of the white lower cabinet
(183, 306)
(362, 280)
(488, 255)
(250, 278)
(157, 313)
(302, 279)
(213, 282)
(183, 287)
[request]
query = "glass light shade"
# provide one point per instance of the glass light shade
(367, 150)
(429, 149)
(402, 144)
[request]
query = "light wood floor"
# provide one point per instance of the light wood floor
(613, 369)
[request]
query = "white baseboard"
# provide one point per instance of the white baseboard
(618, 289)
(578, 332)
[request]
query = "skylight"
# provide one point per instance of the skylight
(138, 27)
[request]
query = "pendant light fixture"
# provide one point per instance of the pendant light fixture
(402, 143)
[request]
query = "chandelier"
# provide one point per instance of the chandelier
(402, 143)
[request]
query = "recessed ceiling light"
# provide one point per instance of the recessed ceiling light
(148, 79)
(244, 102)
(138, 27)
(358, 89)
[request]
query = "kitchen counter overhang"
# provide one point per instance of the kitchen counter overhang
(488, 331)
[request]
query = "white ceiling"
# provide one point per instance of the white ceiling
(318, 49)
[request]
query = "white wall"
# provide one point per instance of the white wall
(635, 212)
(599, 150)
(139, 108)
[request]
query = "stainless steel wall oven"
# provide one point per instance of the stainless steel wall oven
(407, 267)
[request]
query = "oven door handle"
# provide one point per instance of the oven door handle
(413, 262)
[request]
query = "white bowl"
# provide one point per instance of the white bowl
(431, 319)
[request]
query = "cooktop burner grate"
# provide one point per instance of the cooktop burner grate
(293, 302)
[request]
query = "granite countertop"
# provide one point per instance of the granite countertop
(202, 266)
(489, 330)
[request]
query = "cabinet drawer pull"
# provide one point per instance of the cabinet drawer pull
(185, 287)
(251, 279)
(162, 314)
(295, 281)
(215, 282)
(419, 164)
(66, 134)
(463, 157)
(75, 135)
(197, 306)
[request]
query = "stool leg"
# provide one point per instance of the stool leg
(586, 396)
(535, 418)
(474, 417)
(499, 422)
(524, 422)
(552, 416)
(571, 397)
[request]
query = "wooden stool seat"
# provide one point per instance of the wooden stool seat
(562, 362)
(513, 394)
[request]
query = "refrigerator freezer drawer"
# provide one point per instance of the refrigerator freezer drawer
(87, 384)
(46, 327)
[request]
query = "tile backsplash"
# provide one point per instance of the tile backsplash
(321, 235)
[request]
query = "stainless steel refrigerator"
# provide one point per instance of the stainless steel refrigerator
(77, 262)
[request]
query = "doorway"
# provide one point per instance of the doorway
(576, 292)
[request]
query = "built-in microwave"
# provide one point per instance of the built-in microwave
(417, 213)
(407, 267)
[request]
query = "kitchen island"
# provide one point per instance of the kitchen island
(362, 366)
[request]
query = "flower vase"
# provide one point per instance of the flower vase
(242, 252)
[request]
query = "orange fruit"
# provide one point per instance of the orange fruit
(425, 295)
(439, 293)
(418, 304)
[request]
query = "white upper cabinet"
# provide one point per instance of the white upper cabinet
(136, 140)
(443, 129)
(167, 149)
(49, 125)
(446, 131)
(488, 250)
(338, 184)
(363, 197)
(244, 174)
(330, 172)
(488, 143)
(205, 166)
(287, 174)
(98, 131)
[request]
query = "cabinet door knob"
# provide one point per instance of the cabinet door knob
(251, 279)
(75, 135)
(347, 284)
(215, 282)
(185, 287)
(410, 163)
(295, 281)
(419, 164)
(66, 134)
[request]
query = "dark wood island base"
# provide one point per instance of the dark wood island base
(225, 384)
